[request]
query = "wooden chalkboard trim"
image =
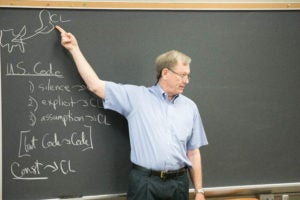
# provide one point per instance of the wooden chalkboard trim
(152, 6)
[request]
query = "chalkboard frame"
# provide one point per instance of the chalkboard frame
(166, 5)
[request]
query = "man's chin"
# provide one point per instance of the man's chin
(180, 91)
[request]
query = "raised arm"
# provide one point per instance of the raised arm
(93, 82)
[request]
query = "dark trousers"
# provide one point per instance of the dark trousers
(143, 186)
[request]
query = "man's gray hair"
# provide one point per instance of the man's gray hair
(169, 60)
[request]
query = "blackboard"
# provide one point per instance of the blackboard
(58, 141)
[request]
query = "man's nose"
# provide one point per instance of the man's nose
(186, 81)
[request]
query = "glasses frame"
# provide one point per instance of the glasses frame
(182, 76)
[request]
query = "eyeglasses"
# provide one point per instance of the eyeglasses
(182, 76)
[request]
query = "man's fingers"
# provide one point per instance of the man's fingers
(67, 39)
(61, 30)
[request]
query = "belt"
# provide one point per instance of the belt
(164, 175)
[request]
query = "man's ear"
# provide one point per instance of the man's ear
(164, 72)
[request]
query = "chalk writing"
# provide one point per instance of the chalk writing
(82, 140)
(38, 69)
(69, 117)
(32, 119)
(29, 142)
(16, 39)
(70, 102)
(26, 146)
(48, 86)
(33, 103)
(22, 172)
(38, 170)
(49, 100)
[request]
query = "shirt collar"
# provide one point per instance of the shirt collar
(162, 94)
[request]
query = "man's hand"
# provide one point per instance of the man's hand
(199, 196)
(68, 40)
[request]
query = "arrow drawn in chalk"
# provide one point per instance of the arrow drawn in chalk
(54, 167)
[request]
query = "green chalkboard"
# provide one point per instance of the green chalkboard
(58, 141)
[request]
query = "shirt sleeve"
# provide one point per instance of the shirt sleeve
(198, 137)
(118, 97)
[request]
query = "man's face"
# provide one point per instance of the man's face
(178, 77)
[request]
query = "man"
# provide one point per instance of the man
(165, 127)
